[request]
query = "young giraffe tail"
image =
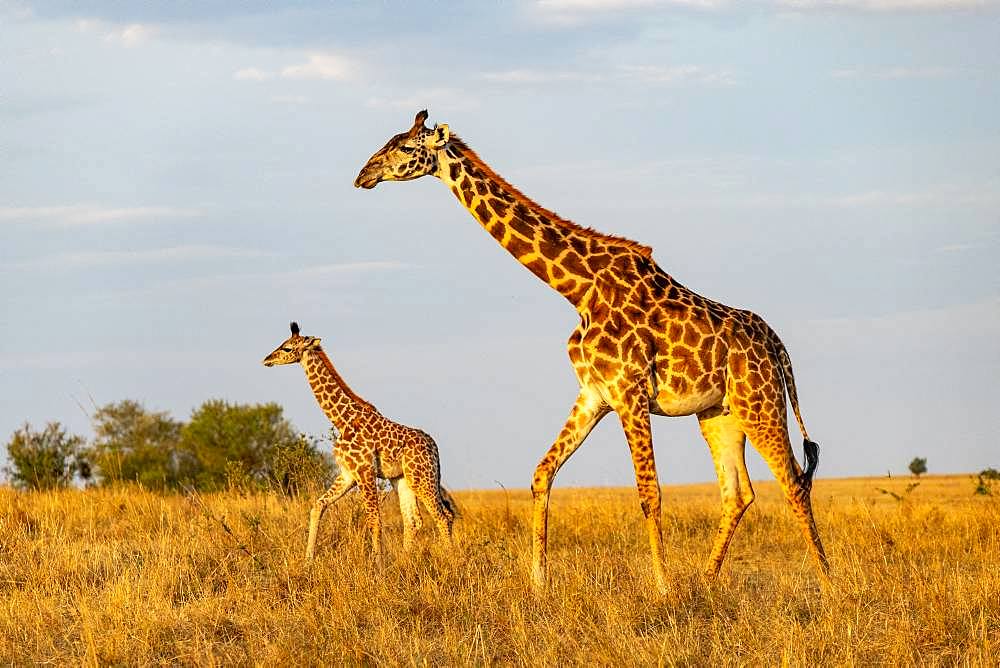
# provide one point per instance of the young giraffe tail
(810, 447)
(449, 502)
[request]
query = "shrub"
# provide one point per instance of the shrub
(46, 459)
(918, 466)
(133, 444)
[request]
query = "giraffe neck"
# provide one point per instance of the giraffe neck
(561, 253)
(337, 400)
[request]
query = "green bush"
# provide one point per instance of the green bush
(235, 444)
(46, 459)
(918, 466)
(135, 445)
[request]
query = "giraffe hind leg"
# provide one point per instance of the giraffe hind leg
(426, 483)
(771, 441)
(409, 511)
(727, 443)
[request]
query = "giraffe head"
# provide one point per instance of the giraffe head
(291, 349)
(408, 155)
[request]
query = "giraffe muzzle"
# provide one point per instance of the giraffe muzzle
(368, 178)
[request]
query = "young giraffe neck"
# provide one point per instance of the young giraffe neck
(337, 400)
(561, 253)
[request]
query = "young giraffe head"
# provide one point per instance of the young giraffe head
(408, 155)
(291, 349)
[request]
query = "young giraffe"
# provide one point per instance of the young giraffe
(645, 344)
(370, 446)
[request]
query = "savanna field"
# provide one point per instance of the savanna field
(128, 576)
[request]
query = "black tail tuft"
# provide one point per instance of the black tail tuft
(812, 460)
(449, 503)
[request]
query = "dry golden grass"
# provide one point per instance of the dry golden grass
(126, 576)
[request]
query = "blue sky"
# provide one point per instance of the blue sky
(176, 186)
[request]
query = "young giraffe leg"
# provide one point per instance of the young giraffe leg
(634, 417)
(342, 485)
(727, 442)
(587, 412)
(408, 509)
(443, 517)
(369, 491)
(424, 475)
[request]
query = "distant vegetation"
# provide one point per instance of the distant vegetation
(918, 466)
(45, 459)
(222, 446)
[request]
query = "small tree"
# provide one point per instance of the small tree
(918, 466)
(985, 480)
(46, 459)
(228, 441)
(133, 444)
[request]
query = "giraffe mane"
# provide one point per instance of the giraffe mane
(339, 379)
(569, 225)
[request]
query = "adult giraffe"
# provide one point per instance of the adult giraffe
(644, 344)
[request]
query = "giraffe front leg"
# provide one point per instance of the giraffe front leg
(634, 415)
(587, 412)
(369, 491)
(341, 485)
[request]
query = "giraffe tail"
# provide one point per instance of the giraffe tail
(449, 503)
(811, 448)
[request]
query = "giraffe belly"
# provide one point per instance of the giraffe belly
(687, 405)
(665, 401)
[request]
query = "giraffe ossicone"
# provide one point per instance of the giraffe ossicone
(370, 447)
(644, 344)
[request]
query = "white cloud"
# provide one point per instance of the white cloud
(87, 25)
(646, 74)
(527, 76)
(85, 214)
(947, 195)
(887, 5)
(562, 6)
(888, 73)
(252, 74)
(444, 98)
(321, 66)
(570, 12)
(316, 277)
(677, 74)
(130, 35)
(134, 34)
(956, 248)
(925, 327)
(293, 100)
(111, 258)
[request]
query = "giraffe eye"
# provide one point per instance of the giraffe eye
(406, 149)
(286, 349)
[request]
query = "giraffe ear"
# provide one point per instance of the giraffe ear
(314, 341)
(441, 135)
